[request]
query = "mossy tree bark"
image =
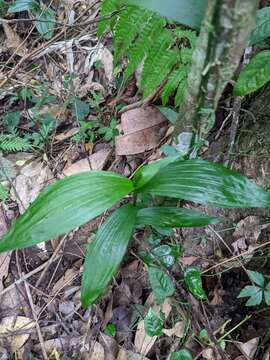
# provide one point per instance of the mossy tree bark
(223, 37)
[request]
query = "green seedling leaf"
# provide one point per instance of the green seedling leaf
(161, 284)
(81, 109)
(222, 344)
(169, 113)
(110, 330)
(267, 297)
(255, 299)
(204, 336)
(193, 281)
(262, 28)
(183, 354)
(12, 119)
(46, 26)
(186, 12)
(249, 290)
(153, 323)
(23, 5)
(254, 75)
(168, 150)
(256, 277)
(65, 205)
(106, 252)
(172, 217)
(164, 254)
(203, 182)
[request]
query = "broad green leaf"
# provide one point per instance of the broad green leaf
(262, 27)
(183, 354)
(193, 281)
(45, 27)
(256, 277)
(161, 284)
(106, 252)
(248, 291)
(145, 173)
(255, 299)
(65, 205)
(267, 287)
(254, 75)
(174, 217)
(23, 5)
(186, 12)
(206, 183)
(153, 324)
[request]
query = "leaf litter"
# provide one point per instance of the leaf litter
(90, 63)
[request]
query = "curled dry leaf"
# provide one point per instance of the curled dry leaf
(4, 257)
(97, 162)
(249, 348)
(13, 41)
(68, 277)
(208, 354)
(106, 58)
(13, 324)
(143, 343)
(143, 130)
(32, 179)
(178, 330)
(129, 355)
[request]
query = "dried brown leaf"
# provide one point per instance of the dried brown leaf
(20, 326)
(143, 130)
(13, 41)
(249, 348)
(178, 330)
(97, 162)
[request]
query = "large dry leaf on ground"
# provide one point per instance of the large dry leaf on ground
(129, 355)
(178, 330)
(97, 162)
(68, 277)
(13, 41)
(105, 56)
(4, 257)
(143, 343)
(32, 179)
(143, 130)
(249, 348)
(13, 324)
(96, 351)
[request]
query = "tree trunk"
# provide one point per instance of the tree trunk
(223, 37)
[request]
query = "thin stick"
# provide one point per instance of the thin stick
(40, 337)
(248, 252)
(25, 277)
(49, 262)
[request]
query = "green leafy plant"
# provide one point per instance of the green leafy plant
(110, 330)
(182, 354)
(258, 291)
(153, 323)
(13, 143)
(193, 281)
(142, 35)
(74, 200)
(254, 75)
(4, 193)
(109, 132)
(262, 28)
(45, 15)
(161, 284)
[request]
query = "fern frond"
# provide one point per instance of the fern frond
(108, 7)
(129, 25)
(181, 90)
(158, 63)
(186, 34)
(142, 45)
(3, 193)
(172, 84)
(11, 143)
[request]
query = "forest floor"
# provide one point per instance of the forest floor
(64, 106)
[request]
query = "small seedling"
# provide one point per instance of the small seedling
(257, 292)
(153, 323)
